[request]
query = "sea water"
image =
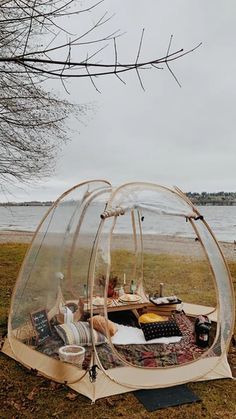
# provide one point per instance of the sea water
(221, 219)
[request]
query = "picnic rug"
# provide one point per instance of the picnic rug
(147, 355)
(157, 355)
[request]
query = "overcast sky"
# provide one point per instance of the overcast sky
(167, 134)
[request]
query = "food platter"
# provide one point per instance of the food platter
(99, 301)
(162, 301)
(129, 298)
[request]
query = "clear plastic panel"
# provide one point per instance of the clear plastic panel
(54, 281)
(149, 248)
(126, 252)
(152, 197)
(173, 256)
(226, 304)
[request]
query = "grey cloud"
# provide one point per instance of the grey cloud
(166, 134)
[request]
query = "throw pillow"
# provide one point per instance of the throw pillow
(160, 329)
(99, 323)
(79, 333)
(151, 317)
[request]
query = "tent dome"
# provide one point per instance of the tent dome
(100, 258)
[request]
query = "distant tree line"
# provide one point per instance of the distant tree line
(202, 198)
(27, 204)
(213, 198)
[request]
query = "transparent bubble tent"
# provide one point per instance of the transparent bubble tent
(101, 258)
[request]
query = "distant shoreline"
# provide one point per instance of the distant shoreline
(197, 203)
(26, 204)
(221, 198)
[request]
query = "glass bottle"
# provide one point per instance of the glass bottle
(132, 287)
(85, 291)
(124, 283)
(121, 291)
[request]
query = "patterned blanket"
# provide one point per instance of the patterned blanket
(157, 355)
(147, 355)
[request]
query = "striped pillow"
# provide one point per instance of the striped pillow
(79, 333)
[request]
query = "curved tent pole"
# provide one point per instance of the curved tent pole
(186, 199)
(230, 283)
(105, 289)
(92, 195)
(221, 253)
(140, 284)
(215, 282)
(86, 194)
(135, 243)
(91, 274)
(150, 184)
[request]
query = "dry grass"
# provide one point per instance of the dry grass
(25, 395)
(188, 277)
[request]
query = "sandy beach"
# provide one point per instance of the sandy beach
(152, 244)
(12, 236)
(182, 246)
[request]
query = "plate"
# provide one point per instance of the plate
(99, 301)
(130, 298)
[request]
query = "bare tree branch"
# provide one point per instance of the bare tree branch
(37, 46)
(120, 68)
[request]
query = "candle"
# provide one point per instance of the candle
(161, 289)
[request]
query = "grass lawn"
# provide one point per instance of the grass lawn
(25, 395)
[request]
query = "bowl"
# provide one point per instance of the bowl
(73, 354)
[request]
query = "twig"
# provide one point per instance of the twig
(140, 46)
(94, 85)
(167, 53)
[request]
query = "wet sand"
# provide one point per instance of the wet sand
(152, 244)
